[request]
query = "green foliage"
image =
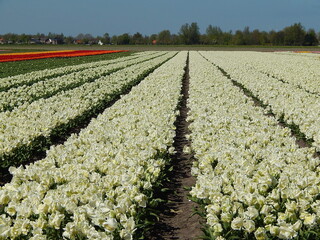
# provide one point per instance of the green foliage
(164, 37)
(137, 38)
(310, 38)
(294, 35)
(123, 39)
(215, 35)
(190, 34)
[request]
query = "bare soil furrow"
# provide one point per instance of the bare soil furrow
(177, 218)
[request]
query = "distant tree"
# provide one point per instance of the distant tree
(11, 37)
(227, 38)
(69, 40)
(79, 38)
(114, 39)
(310, 38)
(238, 38)
(190, 34)
(123, 39)
(294, 35)
(88, 38)
(272, 36)
(84, 38)
(51, 35)
(185, 33)
(214, 35)
(164, 37)
(137, 38)
(146, 39)
(60, 38)
(256, 37)
(152, 38)
(106, 38)
(98, 39)
(175, 39)
(39, 35)
(246, 36)
(264, 38)
(23, 38)
(276, 38)
(194, 33)
(204, 39)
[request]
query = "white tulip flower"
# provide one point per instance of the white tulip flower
(260, 234)
(237, 223)
(110, 225)
(249, 226)
(286, 231)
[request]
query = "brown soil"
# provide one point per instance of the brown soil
(177, 218)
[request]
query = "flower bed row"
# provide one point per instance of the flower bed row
(298, 70)
(52, 54)
(43, 89)
(254, 180)
(94, 185)
(31, 126)
(37, 76)
(294, 105)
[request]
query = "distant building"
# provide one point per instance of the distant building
(78, 41)
(52, 41)
(43, 40)
(46, 41)
(34, 41)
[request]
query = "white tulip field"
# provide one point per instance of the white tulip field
(254, 133)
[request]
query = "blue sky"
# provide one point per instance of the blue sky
(97, 17)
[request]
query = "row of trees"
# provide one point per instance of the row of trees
(294, 35)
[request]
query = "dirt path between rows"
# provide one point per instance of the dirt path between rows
(177, 218)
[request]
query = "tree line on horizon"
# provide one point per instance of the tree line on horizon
(189, 34)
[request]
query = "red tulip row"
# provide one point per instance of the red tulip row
(52, 54)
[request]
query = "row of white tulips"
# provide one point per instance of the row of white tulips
(296, 105)
(256, 181)
(35, 76)
(28, 93)
(93, 185)
(296, 69)
(29, 122)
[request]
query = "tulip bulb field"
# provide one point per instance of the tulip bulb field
(254, 133)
